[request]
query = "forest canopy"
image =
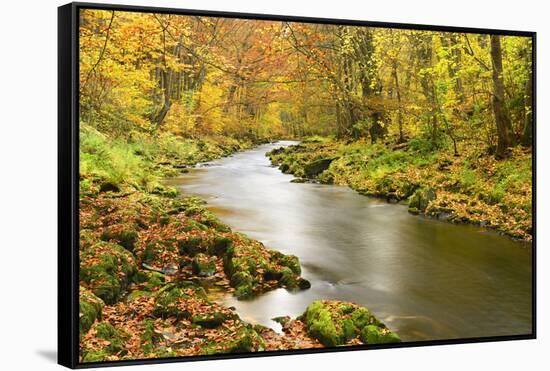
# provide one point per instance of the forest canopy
(196, 76)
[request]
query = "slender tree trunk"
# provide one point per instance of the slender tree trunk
(398, 94)
(527, 135)
(502, 120)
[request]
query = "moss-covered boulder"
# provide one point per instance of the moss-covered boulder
(316, 167)
(203, 265)
(373, 334)
(209, 320)
(420, 199)
(90, 309)
(335, 323)
(243, 340)
(106, 269)
(174, 300)
(113, 343)
(121, 234)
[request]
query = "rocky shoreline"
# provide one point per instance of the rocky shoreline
(148, 261)
(429, 187)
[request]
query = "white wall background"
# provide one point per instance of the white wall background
(28, 153)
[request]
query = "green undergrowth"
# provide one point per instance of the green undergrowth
(140, 161)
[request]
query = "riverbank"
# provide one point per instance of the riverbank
(149, 258)
(471, 188)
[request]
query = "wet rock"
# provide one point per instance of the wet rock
(373, 334)
(335, 323)
(315, 168)
(421, 199)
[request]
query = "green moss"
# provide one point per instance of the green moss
(115, 346)
(373, 334)
(244, 291)
(107, 268)
(335, 323)
(348, 330)
(90, 310)
(288, 278)
(170, 299)
(209, 320)
(246, 340)
(167, 300)
(126, 237)
(291, 262)
(203, 265)
(95, 356)
(321, 327)
(421, 199)
(136, 294)
(190, 246)
(220, 246)
(361, 317)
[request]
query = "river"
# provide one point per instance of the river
(424, 278)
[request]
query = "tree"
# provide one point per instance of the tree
(502, 119)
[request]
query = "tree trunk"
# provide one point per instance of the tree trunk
(502, 120)
(527, 135)
(398, 94)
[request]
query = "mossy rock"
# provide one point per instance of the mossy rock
(315, 168)
(203, 265)
(272, 274)
(373, 334)
(246, 340)
(244, 291)
(421, 198)
(155, 279)
(288, 278)
(165, 191)
(220, 245)
(125, 236)
(107, 269)
(90, 309)
(209, 320)
(115, 339)
(191, 246)
(109, 187)
(137, 294)
(321, 326)
(170, 300)
(335, 323)
(292, 262)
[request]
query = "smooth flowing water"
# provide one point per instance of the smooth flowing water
(424, 278)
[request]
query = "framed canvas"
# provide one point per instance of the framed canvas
(237, 185)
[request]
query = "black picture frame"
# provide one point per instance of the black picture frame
(68, 178)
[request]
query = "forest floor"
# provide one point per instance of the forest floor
(470, 188)
(151, 258)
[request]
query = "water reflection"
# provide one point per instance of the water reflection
(426, 279)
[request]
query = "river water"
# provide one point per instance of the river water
(424, 278)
